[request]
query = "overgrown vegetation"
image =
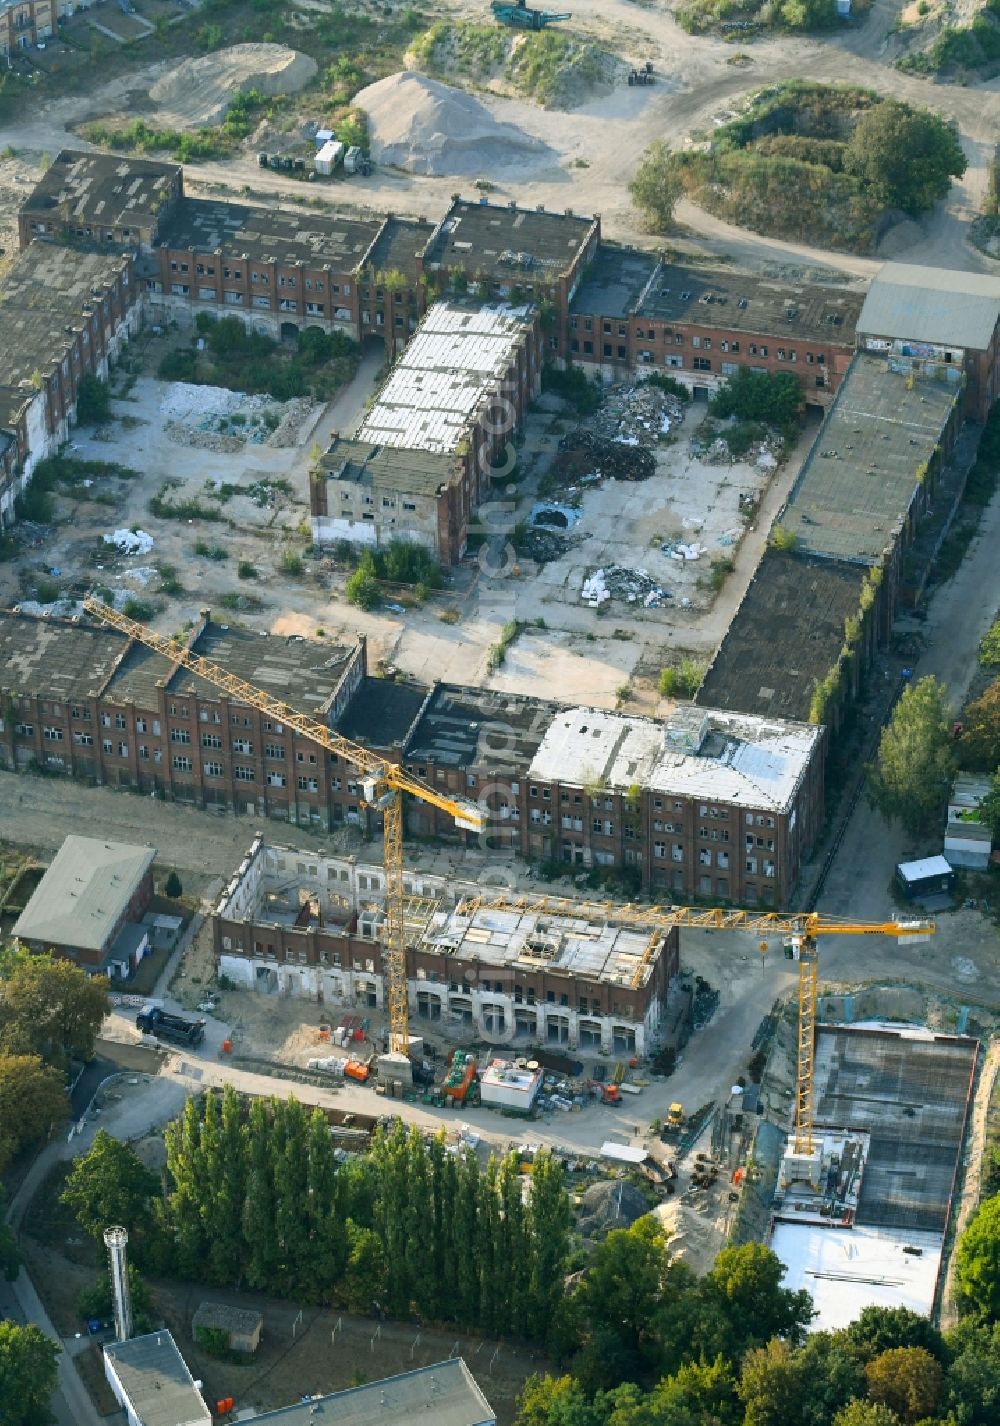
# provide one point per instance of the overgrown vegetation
(916, 760)
(574, 385)
(317, 365)
(761, 399)
(400, 562)
(816, 162)
(958, 51)
(549, 66)
(496, 654)
(700, 17)
(682, 680)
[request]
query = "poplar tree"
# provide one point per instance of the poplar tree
(260, 1241)
(188, 1190)
(549, 1242)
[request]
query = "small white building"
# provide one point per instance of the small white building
(967, 840)
(507, 1084)
(151, 1382)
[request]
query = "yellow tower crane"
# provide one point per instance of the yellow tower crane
(382, 783)
(802, 928)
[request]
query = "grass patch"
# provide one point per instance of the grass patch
(496, 655)
(246, 569)
(142, 610)
(170, 583)
(318, 365)
(549, 67)
(682, 680)
(189, 509)
(210, 552)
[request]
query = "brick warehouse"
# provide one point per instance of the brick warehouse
(309, 925)
(702, 804)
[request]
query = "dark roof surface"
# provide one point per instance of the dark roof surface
(511, 245)
(744, 302)
(314, 239)
(105, 189)
(478, 727)
(786, 635)
(382, 712)
(614, 282)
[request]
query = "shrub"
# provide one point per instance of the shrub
(290, 563)
(573, 385)
(172, 886)
(93, 401)
(139, 609)
(361, 588)
(989, 646)
(682, 681)
(246, 569)
(782, 538)
(663, 382)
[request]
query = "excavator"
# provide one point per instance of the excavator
(519, 17)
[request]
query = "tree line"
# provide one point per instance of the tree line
(648, 1344)
(254, 1197)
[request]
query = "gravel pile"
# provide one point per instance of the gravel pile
(607, 1205)
(422, 126)
(200, 91)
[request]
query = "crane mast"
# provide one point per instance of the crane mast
(382, 783)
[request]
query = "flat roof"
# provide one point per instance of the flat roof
(939, 306)
(55, 657)
(449, 370)
(82, 895)
(106, 189)
(479, 727)
(399, 247)
(378, 468)
(785, 637)
(508, 244)
(445, 1394)
(382, 712)
(735, 758)
(156, 1380)
(53, 278)
(745, 302)
(614, 281)
(585, 945)
(312, 238)
(857, 484)
(305, 672)
(848, 1269)
(926, 866)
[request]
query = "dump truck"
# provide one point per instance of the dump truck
(153, 1020)
(357, 161)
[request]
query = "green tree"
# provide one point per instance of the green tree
(51, 1008)
(973, 1383)
(977, 1261)
(97, 1300)
(865, 1413)
(656, 187)
(773, 1386)
(744, 1290)
(327, 1256)
(878, 1329)
(555, 1401)
(916, 759)
(367, 1276)
(362, 588)
(260, 1240)
(172, 886)
(980, 740)
(905, 157)
(10, 1256)
(698, 1394)
(289, 1166)
(110, 1184)
(27, 1374)
(773, 398)
(548, 1225)
(188, 1190)
(989, 807)
(617, 1302)
(32, 1099)
(93, 401)
(908, 1380)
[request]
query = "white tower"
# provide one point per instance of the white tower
(115, 1240)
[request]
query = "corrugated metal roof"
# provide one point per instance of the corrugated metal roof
(933, 305)
(445, 1394)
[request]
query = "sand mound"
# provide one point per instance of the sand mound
(419, 125)
(199, 91)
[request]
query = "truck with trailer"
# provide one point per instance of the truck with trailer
(154, 1020)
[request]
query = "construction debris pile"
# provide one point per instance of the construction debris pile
(637, 414)
(217, 419)
(632, 586)
(130, 542)
(585, 458)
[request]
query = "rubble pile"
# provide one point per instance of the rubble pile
(632, 586)
(585, 457)
(637, 414)
(130, 542)
(202, 439)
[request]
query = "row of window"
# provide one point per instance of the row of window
(261, 279)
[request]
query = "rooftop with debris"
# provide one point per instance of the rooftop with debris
(508, 245)
(396, 471)
(447, 374)
(479, 727)
(258, 233)
(697, 752)
(614, 282)
(103, 189)
(743, 302)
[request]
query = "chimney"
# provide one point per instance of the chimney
(115, 1240)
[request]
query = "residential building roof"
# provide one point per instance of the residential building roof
(156, 1381)
(445, 1394)
(447, 373)
(698, 752)
(80, 899)
(785, 637)
(853, 494)
(103, 189)
(936, 305)
(311, 238)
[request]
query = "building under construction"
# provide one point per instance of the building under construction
(890, 1106)
(295, 923)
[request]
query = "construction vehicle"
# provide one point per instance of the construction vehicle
(802, 929)
(383, 784)
(675, 1116)
(611, 1094)
(357, 161)
(153, 1020)
(520, 17)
